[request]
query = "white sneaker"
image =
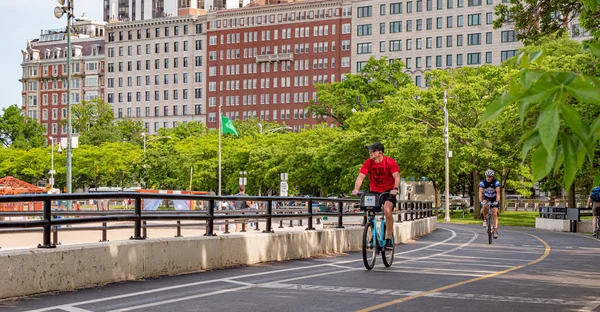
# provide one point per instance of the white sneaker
(484, 223)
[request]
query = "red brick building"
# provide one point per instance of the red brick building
(263, 62)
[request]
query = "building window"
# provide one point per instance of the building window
(365, 11)
(364, 48)
(505, 55)
(508, 36)
(488, 57)
(473, 58)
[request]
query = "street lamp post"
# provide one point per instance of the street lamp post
(59, 11)
(447, 197)
(52, 165)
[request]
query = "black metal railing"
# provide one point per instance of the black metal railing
(314, 207)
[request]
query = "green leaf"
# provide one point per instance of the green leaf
(523, 60)
(496, 107)
(541, 163)
(530, 140)
(583, 91)
(529, 77)
(522, 110)
(573, 119)
(570, 160)
(536, 57)
(595, 48)
(548, 125)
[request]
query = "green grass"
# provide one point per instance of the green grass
(507, 218)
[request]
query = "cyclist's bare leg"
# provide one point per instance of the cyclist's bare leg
(495, 212)
(485, 210)
(594, 223)
(389, 219)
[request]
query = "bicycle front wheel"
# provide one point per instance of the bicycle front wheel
(387, 255)
(369, 246)
(490, 227)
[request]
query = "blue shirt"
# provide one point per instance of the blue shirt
(489, 188)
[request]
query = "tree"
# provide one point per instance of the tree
(378, 78)
(20, 131)
(533, 19)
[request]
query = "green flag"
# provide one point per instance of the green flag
(228, 126)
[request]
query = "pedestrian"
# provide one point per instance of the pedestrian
(594, 203)
(241, 204)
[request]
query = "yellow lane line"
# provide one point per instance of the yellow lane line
(387, 304)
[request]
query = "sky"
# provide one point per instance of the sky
(23, 20)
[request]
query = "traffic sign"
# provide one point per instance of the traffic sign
(283, 189)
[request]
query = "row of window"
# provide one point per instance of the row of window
(233, 54)
(128, 97)
(128, 112)
(121, 82)
(166, 48)
(265, 83)
(129, 65)
(279, 18)
(450, 60)
(396, 26)
(129, 35)
(32, 100)
(396, 8)
(396, 45)
(265, 115)
(265, 35)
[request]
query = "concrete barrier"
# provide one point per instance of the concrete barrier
(558, 225)
(32, 271)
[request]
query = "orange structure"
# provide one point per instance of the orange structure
(13, 186)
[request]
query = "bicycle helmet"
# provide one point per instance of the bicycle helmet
(489, 173)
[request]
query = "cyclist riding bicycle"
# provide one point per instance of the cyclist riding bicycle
(489, 194)
(384, 176)
(594, 203)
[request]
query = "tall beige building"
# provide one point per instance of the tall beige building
(429, 34)
(155, 70)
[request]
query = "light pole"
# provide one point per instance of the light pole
(59, 11)
(144, 135)
(447, 217)
(52, 165)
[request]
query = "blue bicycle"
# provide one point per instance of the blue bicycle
(373, 241)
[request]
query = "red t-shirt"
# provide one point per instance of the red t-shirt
(380, 174)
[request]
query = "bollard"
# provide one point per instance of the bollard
(104, 232)
(48, 227)
(178, 229)
(226, 227)
(243, 226)
(310, 217)
(137, 231)
(144, 230)
(341, 216)
(268, 215)
(55, 235)
(210, 222)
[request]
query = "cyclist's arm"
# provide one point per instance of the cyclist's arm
(589, 201)
(358, 183)
(497, 193)
(480, 194)
(396, 176)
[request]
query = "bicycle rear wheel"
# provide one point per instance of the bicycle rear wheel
(388, 255)
(369, 246)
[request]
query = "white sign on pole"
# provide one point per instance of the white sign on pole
(283, 189)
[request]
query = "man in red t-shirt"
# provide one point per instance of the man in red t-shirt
(384, 176)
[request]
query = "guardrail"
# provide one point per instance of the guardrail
(49, 224)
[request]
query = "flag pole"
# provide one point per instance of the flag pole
(220, 133)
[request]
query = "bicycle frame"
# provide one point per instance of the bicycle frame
(372, 218)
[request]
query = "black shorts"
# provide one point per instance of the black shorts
(490, 200)
(387, 197)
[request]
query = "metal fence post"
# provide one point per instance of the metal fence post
(137, 231)
(48, 227)
(178, 229)
(210, 223)
(144, 230)
(104, 232)
(341, 216)
(310, 217)
(269, 214)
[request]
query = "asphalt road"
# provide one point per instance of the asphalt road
(453, 269)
